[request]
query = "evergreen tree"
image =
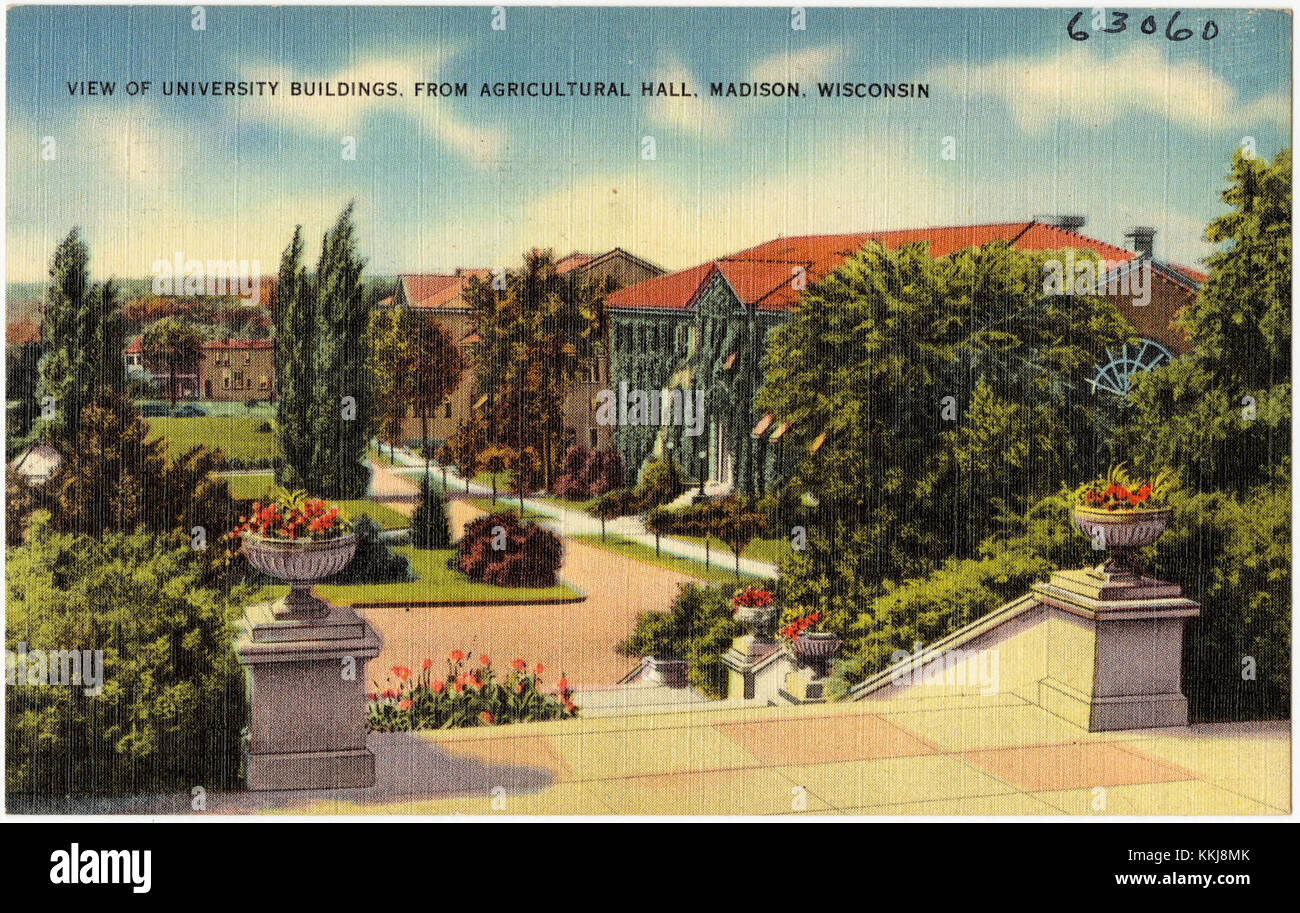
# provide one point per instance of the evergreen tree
(429, 525)
(82, 333)
(295, 327)
(339, 414)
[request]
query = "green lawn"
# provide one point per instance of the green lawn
(236, 436)
(770, 550)
(722, 570)
(253, 486)
(506, 504)
(436, 582)
(385, 516)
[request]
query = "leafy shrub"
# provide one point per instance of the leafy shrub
(1232, 555)
(173, 704)
(429, 525)
(588, 474)
(661, 482)
(925, 610)
(374, 561)
(467, 696)
(528, 555)
(699, 628)
(621, 502)
(264, 426)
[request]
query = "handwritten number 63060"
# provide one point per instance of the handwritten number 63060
(1119, 23)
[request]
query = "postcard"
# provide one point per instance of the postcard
(639, 411)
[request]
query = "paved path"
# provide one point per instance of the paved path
(569, 521)
(578, 640)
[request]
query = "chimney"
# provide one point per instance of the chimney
(1143, 239)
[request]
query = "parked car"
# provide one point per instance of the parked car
(189, 410)
(154, 410)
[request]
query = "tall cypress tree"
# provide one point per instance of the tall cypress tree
(295, 334)
(340, 415)
(82, 333)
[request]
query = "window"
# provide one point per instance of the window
(593, 439)
(239, 380)
(248, 356)
(447, 410)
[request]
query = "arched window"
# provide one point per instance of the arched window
(1115, 374)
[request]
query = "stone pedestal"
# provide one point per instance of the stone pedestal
(1124, 670)
(308, 697)
(756, 668)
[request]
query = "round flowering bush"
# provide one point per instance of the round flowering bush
(470, 694)
(292, 515)
(499, 550)
(1120, 492)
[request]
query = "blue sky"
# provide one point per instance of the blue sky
(1126, 128)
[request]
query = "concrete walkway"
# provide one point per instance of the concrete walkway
(995, 755)
(568, 521)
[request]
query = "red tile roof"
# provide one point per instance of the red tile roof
(439, 290)
(572, 262)
(761, 276)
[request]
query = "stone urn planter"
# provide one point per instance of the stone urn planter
(1120, 532)
(815, 649)
(754, 619)
(300, 563)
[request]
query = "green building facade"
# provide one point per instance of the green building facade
(715, 346)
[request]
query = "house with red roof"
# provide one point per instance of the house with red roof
(703, 327)
(442, 294)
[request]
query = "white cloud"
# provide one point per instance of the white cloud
(696, 116)
(336, 116)
(798, 66)
(1077, 85)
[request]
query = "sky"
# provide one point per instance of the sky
(1125, 128)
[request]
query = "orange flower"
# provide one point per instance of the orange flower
(484, 660)
(404, 705)
(518, 664)
(562, 685)
(540, 669)
(426, 664)
(438, 687)
(456, 656)
(486, 717)
(402, 673)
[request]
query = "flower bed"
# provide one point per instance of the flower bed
(468, 695)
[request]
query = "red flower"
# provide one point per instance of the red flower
(404, 705)
(486, 717)
(456, 656)
(484, 660)
(518, 664)
(389, 694)
(402, 673)
(426, 664)
(562, 685)
(370, 695)
(438, 687)
(540, 669)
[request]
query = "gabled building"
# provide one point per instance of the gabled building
(443, 295)
(705, 328)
